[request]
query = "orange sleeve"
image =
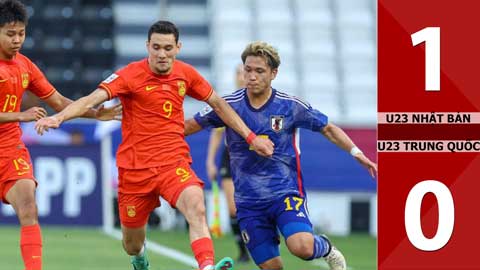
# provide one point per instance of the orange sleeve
(39, 84)
(198, 87)
(115, 84)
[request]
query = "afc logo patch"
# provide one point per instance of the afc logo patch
(276, 122)
(131, 211)
(245, 236)
(110, 78)
(206, 110)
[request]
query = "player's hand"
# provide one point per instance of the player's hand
(367, 163)
(42, 125)
(263, 146)
(33, 114)
(110, 113)
(212, 171)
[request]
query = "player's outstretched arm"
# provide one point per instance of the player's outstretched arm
(58, 102)
(31, 114)
(191, 127)
(75, 109)
(341, 139)
(213, 146)
(262, 146)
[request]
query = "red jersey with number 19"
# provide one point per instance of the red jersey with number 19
(153, 120)
(16, 76)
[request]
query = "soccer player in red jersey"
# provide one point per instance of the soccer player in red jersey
(18, 74)
(153, 159)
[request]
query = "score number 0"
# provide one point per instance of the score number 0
(446, 209)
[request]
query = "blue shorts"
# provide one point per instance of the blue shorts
(260, 225)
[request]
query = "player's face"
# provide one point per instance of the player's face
(162, 50)
(12, 36)
(258, 75)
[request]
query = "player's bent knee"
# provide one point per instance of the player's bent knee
(301, 245)
(196, 212)
(195, 207)
(302, 251)
(27, 212)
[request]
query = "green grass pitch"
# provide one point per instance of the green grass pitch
(90, 249)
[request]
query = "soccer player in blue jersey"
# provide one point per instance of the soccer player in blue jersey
(268, 191)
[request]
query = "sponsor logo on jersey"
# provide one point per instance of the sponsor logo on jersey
(149, 88)
(301, 214)
(276, 123)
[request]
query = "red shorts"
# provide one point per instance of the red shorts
(14, 164)
(139, 190)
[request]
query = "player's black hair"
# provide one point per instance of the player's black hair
(164, 27)
(12, 11)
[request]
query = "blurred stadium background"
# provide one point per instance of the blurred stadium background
(328, 53)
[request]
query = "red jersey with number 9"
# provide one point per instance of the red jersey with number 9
(152, 120)
(16, 76)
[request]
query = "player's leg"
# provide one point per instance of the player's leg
(296, 228)
(183, 189)
(191, 204)
(259, 232)
(228, 189)
(18, 189)
(134, 210)
(272, 264)
(21, 195)
(133, 242)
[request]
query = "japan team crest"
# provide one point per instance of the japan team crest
(131, 211)
(276, 122)
(24, 80)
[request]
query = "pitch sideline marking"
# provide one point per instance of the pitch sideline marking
(159, 249)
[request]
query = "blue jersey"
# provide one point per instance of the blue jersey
(258, 179)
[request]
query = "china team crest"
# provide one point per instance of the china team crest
(182, 89)
(24, 80)
(131, 211)
(276, 122)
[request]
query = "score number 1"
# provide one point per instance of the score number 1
(431, 37)
(446, 209)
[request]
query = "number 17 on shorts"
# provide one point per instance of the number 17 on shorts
(428, 134)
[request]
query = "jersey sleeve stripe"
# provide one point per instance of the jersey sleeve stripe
(286, 96)
(109, 92)
(233, 100)
(49, 94)
(209, 95)
(237, 93)
(293, 99)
